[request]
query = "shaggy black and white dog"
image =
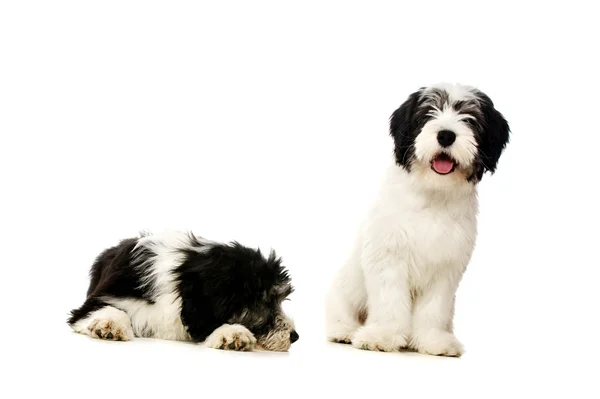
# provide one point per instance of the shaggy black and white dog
(398, 286)
(179, 286)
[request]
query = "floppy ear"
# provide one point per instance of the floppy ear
(494, 135)
(402, 129)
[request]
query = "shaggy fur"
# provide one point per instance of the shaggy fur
(398, 286)
(178, 286)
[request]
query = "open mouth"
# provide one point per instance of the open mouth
(443, 164)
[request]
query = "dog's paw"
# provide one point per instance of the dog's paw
(374, 338)
(340, 340)
(439, 343)
(231, 337)
(109, 329)
(340, 334)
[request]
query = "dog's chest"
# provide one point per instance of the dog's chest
(439, 239)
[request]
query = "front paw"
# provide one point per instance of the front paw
(438, 343)
(375, 338)
(231, 337)
(110, 330)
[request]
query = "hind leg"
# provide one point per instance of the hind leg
(107, 322)
(345, 306)
(342, 320)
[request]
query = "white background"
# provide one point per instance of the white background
(267, 123)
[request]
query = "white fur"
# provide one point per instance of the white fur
(404, 270)
(456, 92)
(161, 320)
(159, 275)
(231, 336)
(464, 148)
(107, 319)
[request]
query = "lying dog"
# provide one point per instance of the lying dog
(178, 286)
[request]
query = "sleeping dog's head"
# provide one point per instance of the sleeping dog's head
(448, 135)
(251, 293)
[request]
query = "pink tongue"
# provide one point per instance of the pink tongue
(442, 165)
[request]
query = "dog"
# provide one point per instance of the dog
(178, 286)
(397, 289)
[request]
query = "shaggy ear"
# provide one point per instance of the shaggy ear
(282, 291)
(402, 126)
(495, 134)
(282, 286)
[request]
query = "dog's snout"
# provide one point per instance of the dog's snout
(446, 138)
(294, 336)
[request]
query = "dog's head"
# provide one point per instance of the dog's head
(448, 135)
(267, 285)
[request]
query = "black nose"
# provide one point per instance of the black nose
(294, 336)
(446, 138)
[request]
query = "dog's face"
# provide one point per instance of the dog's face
(448, 135)
(278, 334)
(264, 315)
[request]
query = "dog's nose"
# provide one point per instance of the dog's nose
(294, 336)
(446, 138)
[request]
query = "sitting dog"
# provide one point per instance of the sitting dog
(178, 286)
(397, 289)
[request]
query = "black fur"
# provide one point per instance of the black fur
(492, 138)
(217, 283)
(217, 286)
(112, 274)
(405, 124)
